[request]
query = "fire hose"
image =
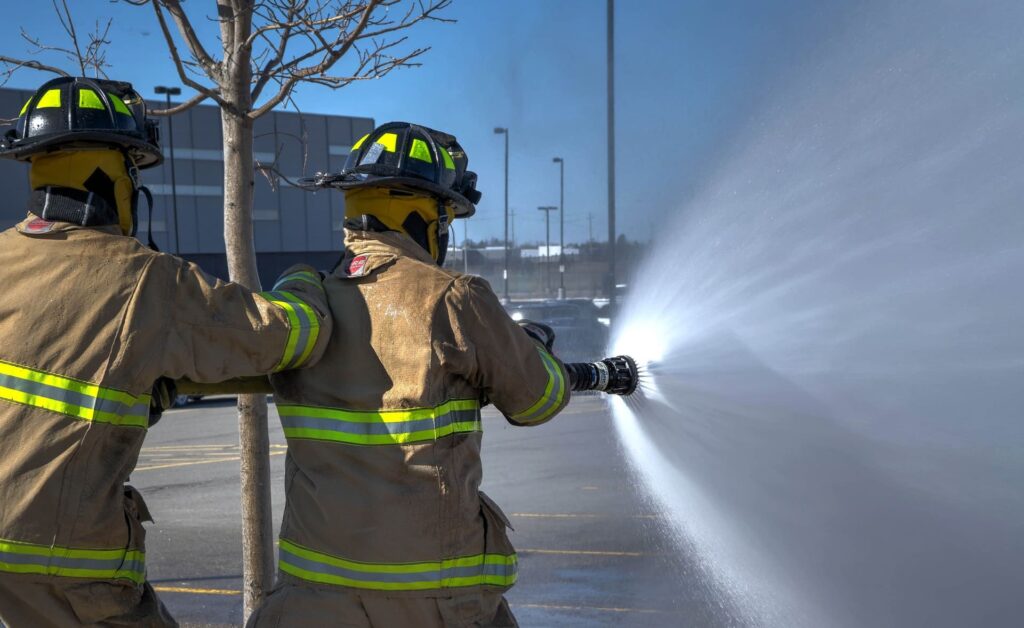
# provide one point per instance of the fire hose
(615, 376)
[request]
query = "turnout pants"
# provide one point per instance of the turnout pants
(291, 604)
(28, 601)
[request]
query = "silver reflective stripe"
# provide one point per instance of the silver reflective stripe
(59, 396)
(557, 392)
(293, 419)
(304, 329)
(334, 570)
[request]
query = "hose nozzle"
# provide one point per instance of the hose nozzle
(615, 376)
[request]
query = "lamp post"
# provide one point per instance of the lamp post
(547, 209)
(504, 131)
(611, 154)
(561, 226)
(168, 92)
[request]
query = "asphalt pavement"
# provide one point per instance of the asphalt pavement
(592, 551)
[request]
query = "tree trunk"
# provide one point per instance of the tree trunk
(254, 438)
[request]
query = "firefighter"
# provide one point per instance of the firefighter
(385, 525)
(90, 320)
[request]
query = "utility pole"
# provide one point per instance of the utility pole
(590, 226)
(547, 209)
(611, 152)
(171, 91)
(561, 226)
(504, 131)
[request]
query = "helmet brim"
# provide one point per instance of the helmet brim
(144, 154)
(463, 208)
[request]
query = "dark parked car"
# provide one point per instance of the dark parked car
(579, 336)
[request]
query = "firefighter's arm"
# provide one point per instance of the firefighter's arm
(517, 373)
(220, 331)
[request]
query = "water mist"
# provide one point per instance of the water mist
(832, 330)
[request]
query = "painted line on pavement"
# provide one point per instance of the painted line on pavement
(577, 515)
(581, 552)
(557, 607)
(187, 464)
(607, 609)
(197, 591)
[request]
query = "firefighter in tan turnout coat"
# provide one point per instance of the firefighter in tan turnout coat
(384, 524)
(91, 319)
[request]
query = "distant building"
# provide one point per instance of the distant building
(290, 224)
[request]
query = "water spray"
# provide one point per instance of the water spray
(615, 376)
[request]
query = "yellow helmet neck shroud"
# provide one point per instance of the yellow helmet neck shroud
(416, 215)
(103, 172)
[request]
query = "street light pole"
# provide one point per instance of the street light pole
(504, 131)
(547, 209)
(168, 92)
(561, 226)
(611, 153)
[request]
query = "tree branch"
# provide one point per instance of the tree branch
(176, 58)
(325, 65)
(195, 47)
(185, 106)
(13, 65)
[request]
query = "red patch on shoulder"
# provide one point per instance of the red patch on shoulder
(37, 226)
(357, 266)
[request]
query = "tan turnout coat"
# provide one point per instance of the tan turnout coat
(89, 320)
(384, 434)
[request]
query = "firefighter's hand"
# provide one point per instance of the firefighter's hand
(164, 393)
(539, 332)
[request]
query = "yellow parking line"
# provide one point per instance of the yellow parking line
(578, 515)
(557, 607)
(188, 447)
(186, 464)
(606, 609)
(581, 552)
(197, 591)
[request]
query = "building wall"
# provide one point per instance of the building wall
(289, 223)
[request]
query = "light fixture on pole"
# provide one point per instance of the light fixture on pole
(547, 209)
(504, 131)
(168, 92)
(561, 226)
(611, 153)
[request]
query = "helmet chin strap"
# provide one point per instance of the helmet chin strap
(138, 188)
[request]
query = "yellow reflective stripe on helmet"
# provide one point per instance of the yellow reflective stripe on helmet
(71, 397)
(24, 107)
(381, 427)
(553, 395)
(420, 151)
(303, 276)
(388, 141)
(448, 163)
(360, 142)
(464, 571)
(88, 99)
(119, 105)
(50, 99)
(47, 560)
(304, 328)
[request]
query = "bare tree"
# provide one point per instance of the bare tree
(88, 55)
(266, 49)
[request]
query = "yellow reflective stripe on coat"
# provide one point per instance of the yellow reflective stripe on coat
(303, 276)
(46, 560)
(304, 324)
(553, 395)
(383, 427)
(72, 397)
(465, 571)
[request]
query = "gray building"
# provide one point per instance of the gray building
(291, 225)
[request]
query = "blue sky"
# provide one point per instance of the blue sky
(687, 74)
